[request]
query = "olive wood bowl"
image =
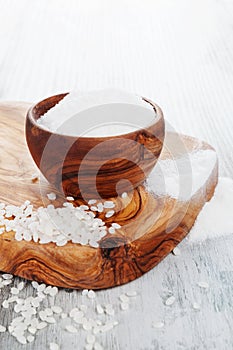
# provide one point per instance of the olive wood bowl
(89, 167)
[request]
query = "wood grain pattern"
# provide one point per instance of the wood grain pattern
(151, 226)
(107, 159)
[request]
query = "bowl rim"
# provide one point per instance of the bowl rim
(32, 112)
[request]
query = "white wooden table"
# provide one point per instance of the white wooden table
(179, 54)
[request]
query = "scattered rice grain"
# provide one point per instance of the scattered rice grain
(51, 196)
(157, 324)
(196, 306)
(90, 339)
(54, 346)
(176, 251)
(124, 306)
(71, 329)
(203, 285)
(2, 329)
(170, 301)
(91, 294)
(131, 293)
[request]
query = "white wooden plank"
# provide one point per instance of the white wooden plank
(180, 54)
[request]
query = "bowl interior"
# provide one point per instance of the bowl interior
(110, 119)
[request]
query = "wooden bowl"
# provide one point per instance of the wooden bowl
(93, 167)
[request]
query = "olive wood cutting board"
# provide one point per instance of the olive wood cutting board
(151, 225)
